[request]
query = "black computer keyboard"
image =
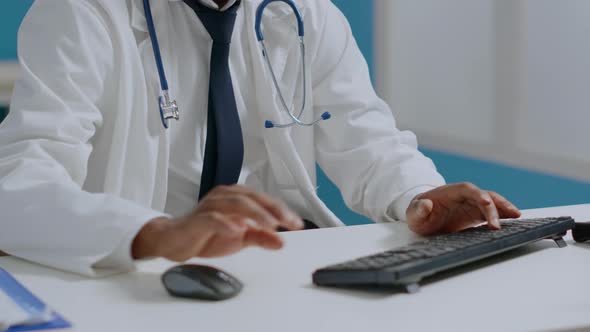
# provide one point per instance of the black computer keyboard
(408, 265)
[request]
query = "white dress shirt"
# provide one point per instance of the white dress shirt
(188, 137)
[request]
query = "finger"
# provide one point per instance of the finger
(227, 237)
(215, 224)
(488, 208)
(286, 217)
(505, 208)
(481, 199)
(471, 217)
(228, 226)
(263, 238)
(253, 235)
(418, 216)
(421, 208)
(192, 234)
(466, 191)
(243, 206)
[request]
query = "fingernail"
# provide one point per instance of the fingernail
(296, 221)
(420, 208)
(422, 211)
(299, 223)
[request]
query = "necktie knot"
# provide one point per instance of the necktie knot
(219, 24)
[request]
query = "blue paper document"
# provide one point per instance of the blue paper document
(23, 311)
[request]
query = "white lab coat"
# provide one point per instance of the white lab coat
(84, 157)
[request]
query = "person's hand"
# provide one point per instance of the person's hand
(228, 219)
(455, 207)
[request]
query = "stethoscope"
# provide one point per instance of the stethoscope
(169, 108)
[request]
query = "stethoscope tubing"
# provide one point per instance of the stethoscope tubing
(155, 45)
(169, 108)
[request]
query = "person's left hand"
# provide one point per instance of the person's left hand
(455, 207)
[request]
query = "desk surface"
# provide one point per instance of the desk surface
(537, 288)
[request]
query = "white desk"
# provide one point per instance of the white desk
(544, 290)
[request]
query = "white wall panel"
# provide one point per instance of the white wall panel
(502, 80)
(442, 79)
(556, 120)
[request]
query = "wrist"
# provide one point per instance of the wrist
(147, 242)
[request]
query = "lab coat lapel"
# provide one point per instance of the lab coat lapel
(287, 165)
(138, 20)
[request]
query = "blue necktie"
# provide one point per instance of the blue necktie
(224, 148)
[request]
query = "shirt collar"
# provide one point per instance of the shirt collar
(138, 18)
(213, 5)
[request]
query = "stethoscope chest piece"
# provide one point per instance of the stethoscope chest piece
(168, 109)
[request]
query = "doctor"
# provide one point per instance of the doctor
(93, 176)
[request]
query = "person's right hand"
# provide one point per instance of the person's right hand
(228, 219)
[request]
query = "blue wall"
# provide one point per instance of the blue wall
(11, 15)
(359, 12)
(525, 188)
(360, 16)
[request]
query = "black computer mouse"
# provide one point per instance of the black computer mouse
(200, 282)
